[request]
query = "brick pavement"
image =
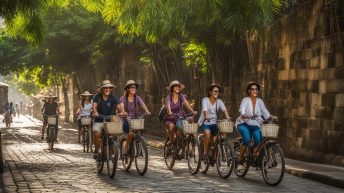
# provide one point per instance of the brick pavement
(31, 167)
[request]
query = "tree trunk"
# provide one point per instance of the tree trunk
(64, 83)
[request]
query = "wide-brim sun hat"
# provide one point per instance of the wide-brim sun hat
(86, 93)
(212, 86)
(106, 83)
(251, 84)
(129, 83)
(51, 95)
(175, 82)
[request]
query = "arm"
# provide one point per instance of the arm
(242, 109)
(168, 105)
(95, 109)
(205, 108)
(187, 104)
(265, 112)
(143, 105)
(79, 108)
(224, 109)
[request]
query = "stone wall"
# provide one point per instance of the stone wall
(299, 62)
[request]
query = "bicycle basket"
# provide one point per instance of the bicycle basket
(270, 130)
(114, 128)
(52, 120)
(190, 128)
(86, 120)
(225, 126)
(136, 124)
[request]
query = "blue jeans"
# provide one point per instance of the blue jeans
(246, 131)
(125, 126)
(212, 128)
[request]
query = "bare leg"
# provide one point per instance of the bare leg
(96, 140)
(206, 140)
(128, 141)
(243, 150)
(170, 132)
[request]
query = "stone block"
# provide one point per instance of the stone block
(313, 74)
(307, 54)
(292, 74)
(290, 133)
(339, 100)
(314, 62)
(283, 75)
(322, 86)
(334, 140)
(326, 45)
(339, 58)
(323, 61)
(328, 100)
(313, 86)
(328, 124)
(315, 98)
(331, 60)
(339, 126)
(327, 74)
(339, 72)
(298, 142)
(338, 114)
(314, 124)
(279, 62)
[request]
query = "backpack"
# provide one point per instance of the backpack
(163, 110)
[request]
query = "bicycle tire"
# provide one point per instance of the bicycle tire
(100, 158)
(193, 151)
(51, 137)
(140, 147)
(84, 137)
(203, 165)
(112, 157)
(241, 172)
(128, 160)
(225, 153)
(265, 162)
(169, 154)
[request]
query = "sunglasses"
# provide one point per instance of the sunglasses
(106, 88)
(132, 87)
(216, 91)
(254, 88)
(177, 85)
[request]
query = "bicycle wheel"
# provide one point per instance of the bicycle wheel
(112, 157)
(193, 155)
(84, 137)
(128, 159)
(51, 137)
(272, 164)
(141, 155)
(101, 155)
(225, 160)
(169, 155)
(89, 139)
(240, 169)
(204, 165)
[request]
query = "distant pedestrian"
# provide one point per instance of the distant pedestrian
(17, 110)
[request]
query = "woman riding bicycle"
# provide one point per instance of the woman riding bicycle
(84, 109)
(105, 104)
(207, 121)
(50, 107)
(174, 105)
(248, 124)
(131, 103)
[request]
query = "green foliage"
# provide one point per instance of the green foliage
(195, 54)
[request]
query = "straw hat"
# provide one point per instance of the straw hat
(106, 83)
(51, 95)
(175, 82)
(210, 87)
(131, 82)
(86, 93)
(252, 83)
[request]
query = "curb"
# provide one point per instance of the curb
(319, 177)
(315, 176)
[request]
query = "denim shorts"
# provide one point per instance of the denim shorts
(212, 128)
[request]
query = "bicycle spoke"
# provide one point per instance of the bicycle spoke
(273, 165)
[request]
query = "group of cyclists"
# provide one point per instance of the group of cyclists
(104, 104)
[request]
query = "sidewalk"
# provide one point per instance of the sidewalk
(327, 174)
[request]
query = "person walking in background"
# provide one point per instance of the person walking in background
(17, 110)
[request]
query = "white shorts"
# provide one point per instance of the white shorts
(98, 127)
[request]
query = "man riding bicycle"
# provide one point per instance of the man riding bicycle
(207, 121)
(50, 107)
(105, 104)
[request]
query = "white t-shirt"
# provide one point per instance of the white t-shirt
(246, 108)
(211, 109)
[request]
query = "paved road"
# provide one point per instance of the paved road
(31, 167)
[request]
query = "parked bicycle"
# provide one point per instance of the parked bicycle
(188, 141)
(220, 151)
(52, 130)
(137, 148)
(86, 133)
(108, 151)
(269, 158)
